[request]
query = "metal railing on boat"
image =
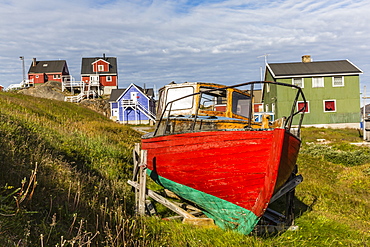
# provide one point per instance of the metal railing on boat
(287, 124)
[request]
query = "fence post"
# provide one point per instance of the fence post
(142, 180)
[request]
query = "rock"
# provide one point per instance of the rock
(99, 105)
(49, 90)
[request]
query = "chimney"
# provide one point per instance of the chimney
(306, 59)
(104, 56)
(34, 62)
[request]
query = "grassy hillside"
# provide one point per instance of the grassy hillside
(63, 183)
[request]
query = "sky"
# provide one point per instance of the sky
(159, 41)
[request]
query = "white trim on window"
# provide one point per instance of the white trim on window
(338, 81)
(307, 106)
(109, 78)
(325, 106)
(317, 82)
(100, 67)
(298, 82)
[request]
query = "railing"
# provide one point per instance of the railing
(73, 83)
(75, 99)
(78, 98)
(146, 111)
(287, 124)
(94, 83)
(137, 104)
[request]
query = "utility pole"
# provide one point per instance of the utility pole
(24, 74)
(364, 115)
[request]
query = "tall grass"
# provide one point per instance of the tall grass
(76, 162)
(83, 162)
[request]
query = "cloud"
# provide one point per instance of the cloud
(159, 41)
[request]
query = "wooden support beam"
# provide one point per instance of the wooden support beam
(142, 205)
(142, 183)
(187, 206)
(136, 159)
(164, 201)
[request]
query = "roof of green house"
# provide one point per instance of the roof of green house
(321, 68)
(47, 66)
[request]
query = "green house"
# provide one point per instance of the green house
(331, 88)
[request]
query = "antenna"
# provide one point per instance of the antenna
(265, 55)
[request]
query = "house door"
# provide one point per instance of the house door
(94, 80)
(115, 113)
(134, 96)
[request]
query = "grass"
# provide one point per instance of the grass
(65, 167)
(83, 162)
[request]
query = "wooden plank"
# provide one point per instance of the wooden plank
(164, 201)
(136, 159)
(142, 182)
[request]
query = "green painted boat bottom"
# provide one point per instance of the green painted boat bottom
(226, 215)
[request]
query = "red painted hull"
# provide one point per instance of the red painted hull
(242, 167)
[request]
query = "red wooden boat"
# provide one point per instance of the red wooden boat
(208, 149)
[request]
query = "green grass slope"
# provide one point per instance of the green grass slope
(63, 183)
(82, 160)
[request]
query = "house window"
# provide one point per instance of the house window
(266, 107)
(109, 78)
(37, 76)
(330, 106)
(100, 67)
(317, 81)
(298, 82)
(301, 104)
(56, 76)
(338, 81)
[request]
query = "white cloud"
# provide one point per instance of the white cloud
(160, 41)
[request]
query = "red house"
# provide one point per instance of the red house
(43, 71)
(100, 73)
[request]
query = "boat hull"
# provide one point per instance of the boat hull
(231, 175)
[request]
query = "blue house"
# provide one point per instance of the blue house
(133, 105)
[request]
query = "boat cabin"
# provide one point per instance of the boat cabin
(214, 100)
(198, 106)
